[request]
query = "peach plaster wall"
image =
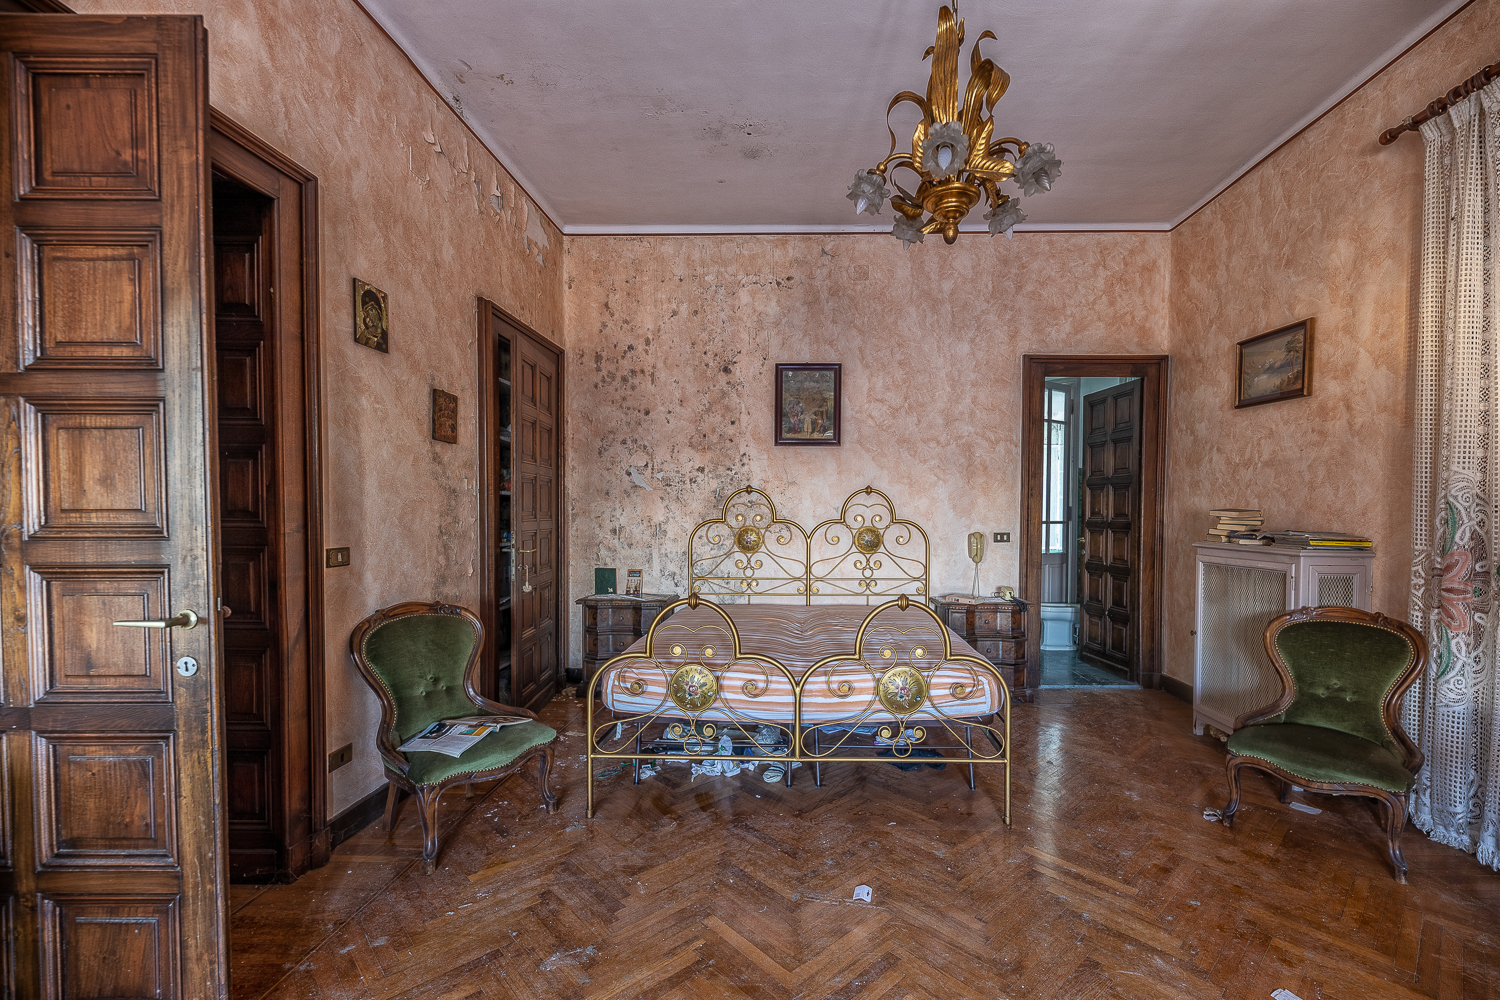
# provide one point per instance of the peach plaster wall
(1327, 227)
(672, 347)
(411, 203)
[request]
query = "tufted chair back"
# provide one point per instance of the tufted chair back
(1343, 674)
(421, 661)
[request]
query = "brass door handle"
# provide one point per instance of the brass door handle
(183, 620)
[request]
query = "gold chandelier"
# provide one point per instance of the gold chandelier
(953, 152)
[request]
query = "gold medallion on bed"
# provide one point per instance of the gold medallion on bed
(798, 637)
(801, 647)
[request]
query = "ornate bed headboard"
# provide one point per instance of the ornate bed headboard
(866, 553)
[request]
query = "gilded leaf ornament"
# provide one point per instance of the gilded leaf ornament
(953, 153)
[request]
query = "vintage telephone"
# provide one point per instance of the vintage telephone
(976, 553)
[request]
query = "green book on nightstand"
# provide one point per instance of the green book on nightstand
(604, 581)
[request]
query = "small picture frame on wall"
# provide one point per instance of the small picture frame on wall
(444, 416)
(372, 318)
(1276, 365)
(808, 402)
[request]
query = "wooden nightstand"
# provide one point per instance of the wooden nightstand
(998, 630)
(611, 623)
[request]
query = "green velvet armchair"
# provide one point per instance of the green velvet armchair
(422, 661)
(1336, 728)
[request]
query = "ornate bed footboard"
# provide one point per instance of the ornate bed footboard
(898, 694)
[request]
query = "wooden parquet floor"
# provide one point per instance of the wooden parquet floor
(1109, 884)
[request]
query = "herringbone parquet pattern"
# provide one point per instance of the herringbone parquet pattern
(1109, 884)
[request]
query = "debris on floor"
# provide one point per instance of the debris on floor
(1304, 807)
(862, 893)
(1212, 815)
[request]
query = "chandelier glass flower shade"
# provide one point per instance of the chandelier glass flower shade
(954, 153)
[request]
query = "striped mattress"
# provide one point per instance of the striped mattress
(797, 637)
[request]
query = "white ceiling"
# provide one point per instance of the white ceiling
(640, 116)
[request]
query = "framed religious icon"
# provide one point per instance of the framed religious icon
(1275, 365)
(444, 416)
(807, 404)
(372, 319)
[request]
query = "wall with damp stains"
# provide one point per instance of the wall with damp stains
(411, 203)
(672, 347)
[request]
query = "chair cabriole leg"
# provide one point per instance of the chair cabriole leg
(1395, 823)
(427, 802)
(392, 798)
(1227, 815)
(544, 771)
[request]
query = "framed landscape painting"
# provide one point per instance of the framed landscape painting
(1275, 365)
(807, 404)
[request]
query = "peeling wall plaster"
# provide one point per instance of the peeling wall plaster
(672, 350)
(410, 202)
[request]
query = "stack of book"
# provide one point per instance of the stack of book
(1319, 540)
(1236, 525)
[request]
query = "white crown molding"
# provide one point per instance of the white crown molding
(1025, 227)
(1364, 76)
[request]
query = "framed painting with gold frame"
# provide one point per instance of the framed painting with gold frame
(1276, 365)
(372, 317)
(808, 404)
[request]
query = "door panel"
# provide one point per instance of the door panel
(1112, 489)
(112, 869)
(78, 655)
(100, 292)
(533, 670)
(88, 125)
(131, 827)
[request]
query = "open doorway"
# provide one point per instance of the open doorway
(1081, 422)
(1092, 498)
(265, 307)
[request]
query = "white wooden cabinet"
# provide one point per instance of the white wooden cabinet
(1240, 589)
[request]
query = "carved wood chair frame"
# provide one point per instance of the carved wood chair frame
(396, 763)
(1395, 805)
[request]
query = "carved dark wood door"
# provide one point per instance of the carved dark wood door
(111, 858)
(1111, 470)
(534, 589)
(249, 526)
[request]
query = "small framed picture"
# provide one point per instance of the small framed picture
(808, 403)
(444, 416)
(372, 319)
(1275, 365)
(632, 583)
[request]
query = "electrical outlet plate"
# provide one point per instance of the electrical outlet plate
(338, 557)
(1002, 536)
(341, 756)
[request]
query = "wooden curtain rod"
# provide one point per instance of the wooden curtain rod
(1437, 107)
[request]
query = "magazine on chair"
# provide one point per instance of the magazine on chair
(454, 736)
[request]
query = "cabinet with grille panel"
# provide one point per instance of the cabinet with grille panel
(1240, 589)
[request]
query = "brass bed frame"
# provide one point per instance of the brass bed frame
(701, 685)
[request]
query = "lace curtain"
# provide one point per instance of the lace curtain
(1452, 712)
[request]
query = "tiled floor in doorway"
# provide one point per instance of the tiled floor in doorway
(1062, 668)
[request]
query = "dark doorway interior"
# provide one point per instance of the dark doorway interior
(1093, 466)
(249, 504)
(264, 287)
